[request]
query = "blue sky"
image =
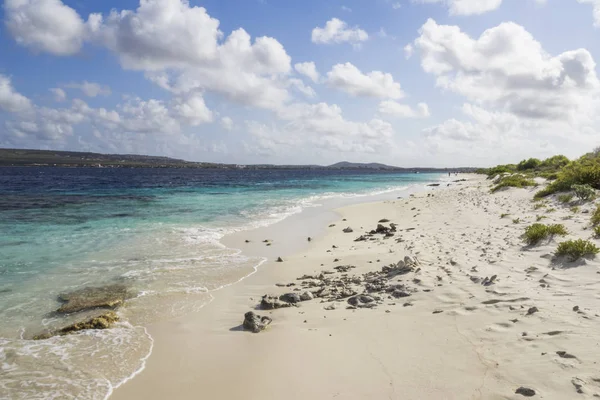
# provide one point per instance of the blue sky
(407, 82)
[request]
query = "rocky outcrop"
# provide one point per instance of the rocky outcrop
(273, 303)
(255, 323)
(109, 296)
(103, 321)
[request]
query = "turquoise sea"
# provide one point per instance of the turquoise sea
(155, 230)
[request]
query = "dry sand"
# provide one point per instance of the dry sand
(482, 345)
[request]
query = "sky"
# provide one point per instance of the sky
(437, 83)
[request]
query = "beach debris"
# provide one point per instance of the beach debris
(348, 230)
(525, 391)
(383, 221)
(272, 303)
(434, 184)
(361, 238)
(576, 308)
(332, 225)
(306, 296)
(330, 307)
(247, 241)
(437, 311)
(362, 301)
(103, 321)
(109, 296)
(309, 239)
(290, 298)
(489, 281)
(344, 268)
(255, 323)
(279, 259)
(532, 310)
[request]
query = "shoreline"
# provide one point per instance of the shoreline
(456, 340)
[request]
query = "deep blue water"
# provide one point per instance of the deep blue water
(157, 230)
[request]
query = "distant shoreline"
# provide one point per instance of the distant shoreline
(71, 159)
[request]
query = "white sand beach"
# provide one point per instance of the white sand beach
(440, 334)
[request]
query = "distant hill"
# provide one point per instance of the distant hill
(350, 165)
(55, 158)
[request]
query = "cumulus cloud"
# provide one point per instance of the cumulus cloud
(399, 110)
(350, 79)
(59, 94)
(45, 25)
(193, 110)
(408, 51)
(337, 31)
(10, 100)
(227, 123)
(471, 7)
(506, 68)
(90, 89)
(308, 69)
(596, 10)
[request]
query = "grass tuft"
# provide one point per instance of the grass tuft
(576, 249)
(518, 181)
(595, 220)
(565, 198)
(538, 232)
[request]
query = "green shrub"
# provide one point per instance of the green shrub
(516, 220)
(501, 169)
(584, 192)
(574, 209)
(537, 232)
(555, 162)
(540, 217)
(537, 206)
(576, 249)
(595, 220)
(517, 181)
(504, 215)
(532, 163)
(567, 217)
(585, 170)
(551, 210)
(565, 198)
(597, 231)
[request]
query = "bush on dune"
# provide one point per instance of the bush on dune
(595, 220)
(584, 171)
(518, 181)
(538, 232)
(576, 249)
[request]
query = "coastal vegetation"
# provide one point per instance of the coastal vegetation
(537, 232)
(516, 180)
(576, 249)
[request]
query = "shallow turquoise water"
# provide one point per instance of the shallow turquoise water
(155, 230)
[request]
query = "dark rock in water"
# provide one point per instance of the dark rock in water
(110, 296)
(255, 323)
(272, 303)
(290, 298)
(103, 321)
(362, 300)
(383, 221)
(532, 310)
(527, 392)
(279, 259)
(348, 230)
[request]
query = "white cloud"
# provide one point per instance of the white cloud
(59, 95)
(506, 68)
(337, 31)
(298, 85)
(45, 25)
(90, 89)
(308, 69)
(596, 10)
(348, 78)
(471, 7)
(192, 110)
(396, 109)
(396, 5)
(10, 100)
(347, 9)
(227, 123)
(408, 51)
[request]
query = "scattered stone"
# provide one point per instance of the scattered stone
(247, 241)
(348, 230)
(400, 294)
(489, 281)
(564, 354)
(524, 391)
(290, 298)
(578, 383)
(306, 296)
(532, 310)
(437, 311)
(362, 238)
(331, 307)
(362, 301)
(279, 259)
(103, 321)
(383, 221)
(332, 225)
(576, 308)
(272, 303)
(256, 323)
(309, 239)
(110, 296)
